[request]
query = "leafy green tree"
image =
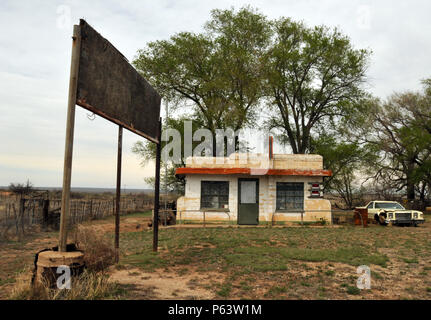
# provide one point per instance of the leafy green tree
(146, 151)
(217, 73)
(313, 77)
(346, 160)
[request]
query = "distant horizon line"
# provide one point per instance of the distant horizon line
(88, 188)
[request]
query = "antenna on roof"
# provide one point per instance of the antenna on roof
(270, 147)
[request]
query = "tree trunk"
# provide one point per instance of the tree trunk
(422, 194)
(410, 190)
(410, 181)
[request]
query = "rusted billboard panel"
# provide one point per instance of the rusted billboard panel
(111, 88)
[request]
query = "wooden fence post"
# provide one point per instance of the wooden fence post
(67, 170)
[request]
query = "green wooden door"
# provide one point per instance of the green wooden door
(248, 201)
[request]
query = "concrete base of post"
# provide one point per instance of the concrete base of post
(48, 264)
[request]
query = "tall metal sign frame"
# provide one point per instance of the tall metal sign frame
(103, 82)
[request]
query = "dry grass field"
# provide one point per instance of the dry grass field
(227, 262)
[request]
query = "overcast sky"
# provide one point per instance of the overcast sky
(35, 43)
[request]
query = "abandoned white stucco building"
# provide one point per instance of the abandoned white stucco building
(254, 188)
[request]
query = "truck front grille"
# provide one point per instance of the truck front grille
(403, 216)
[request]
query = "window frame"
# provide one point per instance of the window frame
(220, 203)
(401, 207)
(293, 210)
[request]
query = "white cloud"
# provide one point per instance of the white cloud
(35, 62)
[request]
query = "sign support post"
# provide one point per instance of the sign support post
(67, 171)
(118, 195)
(157, 190)
(90, 86)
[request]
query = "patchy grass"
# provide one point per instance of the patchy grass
(18, 256)
(411, 260)
(376, 275)
(353, 290)
(225, 290)
(277, 290)
(271, 263)
(274, 256)
(88, 286)
(145, 260)
(6, 281)
(329, 272)
(142, 214)
(248, 249)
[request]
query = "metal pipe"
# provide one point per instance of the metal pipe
(157, 191)
(166, 163)
(118, 195)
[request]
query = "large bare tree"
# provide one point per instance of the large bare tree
(396, 128)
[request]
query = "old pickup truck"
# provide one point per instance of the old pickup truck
(386, 212)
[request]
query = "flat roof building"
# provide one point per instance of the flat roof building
(249, 189)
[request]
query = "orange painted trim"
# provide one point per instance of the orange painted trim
(256, 172)
(212, 171)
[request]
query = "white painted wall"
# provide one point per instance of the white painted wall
(188, 207)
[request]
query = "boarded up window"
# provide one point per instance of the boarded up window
(290, 196)
(214, 194)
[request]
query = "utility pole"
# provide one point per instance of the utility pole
(166, 164)
(70, 126)
(157, 191)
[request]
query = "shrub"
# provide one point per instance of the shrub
(353, 290)
(323, 221)
(98, 250)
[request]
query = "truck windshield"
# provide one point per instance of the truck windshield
(388, 205)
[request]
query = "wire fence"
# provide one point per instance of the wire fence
(338, 216)
(21, 216)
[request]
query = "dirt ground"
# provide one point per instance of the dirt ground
(398, 279)
(17, 257)
(162, 284)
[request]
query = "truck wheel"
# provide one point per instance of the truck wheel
(382, 219)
